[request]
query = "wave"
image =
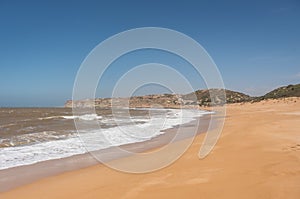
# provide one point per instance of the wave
(87, 117)
(83, 117)
(93, 140)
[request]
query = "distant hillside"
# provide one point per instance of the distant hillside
(198, 98)
(284, 91)
(204, 99)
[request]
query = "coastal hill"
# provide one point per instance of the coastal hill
(198, 98)
(204, 98)
(282, 92)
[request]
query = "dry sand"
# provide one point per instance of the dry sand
(257, 156)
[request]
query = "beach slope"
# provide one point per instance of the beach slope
(257, 156)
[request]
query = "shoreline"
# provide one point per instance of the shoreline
(15, 177)
(257, 156)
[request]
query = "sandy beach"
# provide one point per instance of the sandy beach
(257, 156)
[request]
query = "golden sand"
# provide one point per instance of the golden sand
(257, 156)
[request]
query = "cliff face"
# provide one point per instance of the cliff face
(196, 99)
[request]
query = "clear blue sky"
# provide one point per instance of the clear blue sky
(255, 44)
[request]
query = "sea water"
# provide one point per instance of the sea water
(31, 135)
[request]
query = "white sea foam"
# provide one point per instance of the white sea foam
(48, 118)
(83, 117)
(72, 117)
(95, 139)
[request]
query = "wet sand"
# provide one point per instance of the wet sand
(257, 156)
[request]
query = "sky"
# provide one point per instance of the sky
(255, 44)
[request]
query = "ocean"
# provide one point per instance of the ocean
(31, 135)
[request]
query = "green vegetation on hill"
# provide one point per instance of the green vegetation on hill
(204, 97)
(284, 91)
